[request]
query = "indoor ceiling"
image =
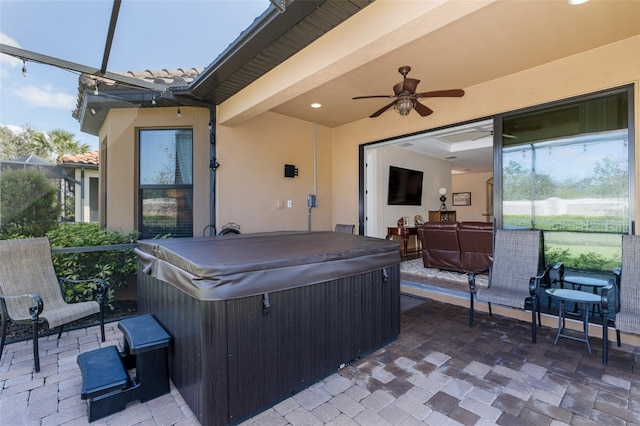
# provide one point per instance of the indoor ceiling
(468, 147)
(502, 38)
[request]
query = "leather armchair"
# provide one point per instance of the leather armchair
(457, 246)
(440, 247)
(476, 245)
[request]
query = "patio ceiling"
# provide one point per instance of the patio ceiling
(447, 44)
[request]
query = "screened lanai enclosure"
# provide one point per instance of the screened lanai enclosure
(566, 170)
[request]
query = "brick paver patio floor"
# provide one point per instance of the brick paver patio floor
(439, 372)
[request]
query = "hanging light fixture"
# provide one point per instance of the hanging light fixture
(24, 68)
(404, 104)
(95, 88)
(179, 113)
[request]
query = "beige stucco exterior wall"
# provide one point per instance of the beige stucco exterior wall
(250, 181)
(118, 151)
(609, 66)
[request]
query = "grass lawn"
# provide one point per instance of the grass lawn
(607, 246)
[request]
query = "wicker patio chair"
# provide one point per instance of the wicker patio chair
(626, 308)
(30, 292)
(516, 274)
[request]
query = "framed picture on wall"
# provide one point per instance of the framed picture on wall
(461, 198)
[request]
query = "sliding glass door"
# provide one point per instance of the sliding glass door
(567, 169)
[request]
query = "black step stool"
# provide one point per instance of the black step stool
(105, 380)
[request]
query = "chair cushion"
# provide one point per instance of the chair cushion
(630, 275)
(518, 257)
(628, 322)
(68, 312)
(27, 268)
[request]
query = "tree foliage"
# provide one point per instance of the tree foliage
(608, 179)
(62, 143)
(52, 146)
(18, 144)
(28, 206)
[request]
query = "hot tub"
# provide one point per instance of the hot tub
(256, 318)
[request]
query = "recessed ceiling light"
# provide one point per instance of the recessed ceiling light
(316, 105)
(575, 2)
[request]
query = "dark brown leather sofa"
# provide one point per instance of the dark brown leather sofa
(456, 246)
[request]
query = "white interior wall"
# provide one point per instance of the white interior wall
(476, 183)
(437, 174)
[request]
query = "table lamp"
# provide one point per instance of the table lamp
(443, 192)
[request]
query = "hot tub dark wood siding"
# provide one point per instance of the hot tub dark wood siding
(230, 360)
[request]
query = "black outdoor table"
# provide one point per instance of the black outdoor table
(579, 298)
(578, 281)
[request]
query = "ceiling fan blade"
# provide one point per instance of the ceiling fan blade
(407, 85)
(452, 93)
(423, 110)
(381, 110)
(410, 85)
(374, 96)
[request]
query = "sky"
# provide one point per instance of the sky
(149, 35)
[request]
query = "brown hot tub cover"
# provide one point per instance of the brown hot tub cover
(234, 266)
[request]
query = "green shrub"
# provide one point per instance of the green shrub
(553, 256)
(589, 261)
(28, 206)
(114, 266)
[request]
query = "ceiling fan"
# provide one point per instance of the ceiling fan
(407, 98)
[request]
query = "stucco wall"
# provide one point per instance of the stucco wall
(605, 67)
(251, 182)
(119, 153)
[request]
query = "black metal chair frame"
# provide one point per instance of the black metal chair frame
(36, 309)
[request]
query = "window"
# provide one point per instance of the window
(565, 170)
(94, 212)
(166, 183)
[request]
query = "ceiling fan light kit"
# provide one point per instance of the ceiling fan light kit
(407, 98)
(404, 105)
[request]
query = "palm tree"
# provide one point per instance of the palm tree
(62, 142)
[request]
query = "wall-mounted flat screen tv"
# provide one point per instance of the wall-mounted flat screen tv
(405, 187)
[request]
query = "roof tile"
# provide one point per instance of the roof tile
(87, 158)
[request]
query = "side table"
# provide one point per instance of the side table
(579, 281)
(405, 232)
(579, 298)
